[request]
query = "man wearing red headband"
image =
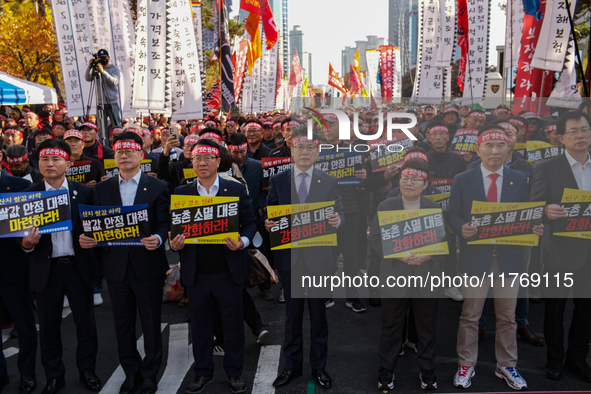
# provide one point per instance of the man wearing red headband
(491, 182)
(16, 297)
(304, 184)
(515, 162)
(75, 139)
(231, 126)
(268, 139)
(135, 275)
(58, 267)
(19, 164)
(566, 256)
(476, 119)
(173, 172)
(535, 127)
(31, 125)
(287, 126)
(253, 130)
(553, 136)
(216, 272)
(92, 147)
(520, 124)
(13, 135)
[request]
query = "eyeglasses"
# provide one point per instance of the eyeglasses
(412, 180)
(206, 159)
(308, 148)
(582, 130)
(126, 152)
(253, 131)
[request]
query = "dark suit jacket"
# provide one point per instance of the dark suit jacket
(238, 261)
(86, 261)
(395, 267)
(467, 187)
(282, 191)
(13, 266)
(147, 264)
(253, 175)
(550, 179)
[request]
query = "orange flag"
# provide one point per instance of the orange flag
(335, 81)
(255, 51)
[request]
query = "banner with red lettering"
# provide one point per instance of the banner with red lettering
(462, 39)
(335, 81)
(240, 68)
(387, 65)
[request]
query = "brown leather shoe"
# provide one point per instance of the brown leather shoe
(480, 334)
(528, 336)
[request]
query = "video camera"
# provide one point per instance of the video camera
(96, 61)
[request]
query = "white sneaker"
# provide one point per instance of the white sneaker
(218, 351)
(454, 293)
(281, 297)
(511, 376)
(262, 335)
(463, 378)
(66, 303)
(98, 299)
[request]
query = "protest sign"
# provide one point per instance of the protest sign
(115, 226)
(464, 141)
(342, 165)
(389, 152)
(79, 171)
(47, 210)
(206, 220)
(418, 231)
(302, 225)
(273, 166)
(506, 223)
(577, 222)
(111, 168)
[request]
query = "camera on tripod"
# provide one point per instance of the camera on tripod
(96, 60)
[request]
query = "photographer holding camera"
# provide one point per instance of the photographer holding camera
(110, 75)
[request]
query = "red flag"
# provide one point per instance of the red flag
(528, 82)
(212, 98)
(335, 81)
(296, 70)
(462, 39)
(240, 67)
(262, 8)
(387, 67)
(355, 81)
(279, 78)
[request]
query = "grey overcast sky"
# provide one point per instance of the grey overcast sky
(331, 25)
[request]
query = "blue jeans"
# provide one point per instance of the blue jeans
(522, 308)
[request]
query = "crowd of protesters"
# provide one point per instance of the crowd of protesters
(225, 153)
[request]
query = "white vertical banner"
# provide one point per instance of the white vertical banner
(447, 29)
(100, 23)
(477, 59)
(396, 75)
(373, 63)
(280, 100)
(73, 79)
(197, 26)
(513, 30)
(150, 87)
(447, 83)
(555, 34)
(268, 77)
(246, 103)
(123, 52)
(415, 87)
(430, 80)
(187, 100)
(565, 93)
(83, 37)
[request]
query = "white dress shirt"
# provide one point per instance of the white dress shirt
(128, 190)
(63, 245)
(213, 191)
(581, 172)
(488, 181)
(297, 172)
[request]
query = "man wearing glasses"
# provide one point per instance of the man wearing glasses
(566, 255)
(304, 184)
(135, 275)
(253, 130)
(214, 272)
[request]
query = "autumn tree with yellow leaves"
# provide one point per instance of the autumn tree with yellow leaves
(27, 46)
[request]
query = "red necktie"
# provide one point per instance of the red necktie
(492, 190)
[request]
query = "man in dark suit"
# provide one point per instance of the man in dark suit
(58, 266)
(304, 184)
(491, 182)
(566, 255)
(16, 296)
(215, 272)
(135, 275)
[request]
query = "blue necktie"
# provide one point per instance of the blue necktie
(303, 189)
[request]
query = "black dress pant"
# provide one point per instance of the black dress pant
(18, 300)
(252, 318)
(223, 289)
(64, 279)
(394, 315)
(128, 298)
(293, 347)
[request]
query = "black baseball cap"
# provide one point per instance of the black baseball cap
(102, 52)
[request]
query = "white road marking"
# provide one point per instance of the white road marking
(116, 380)
(180, 358)
(6, 334)
(267, 370)
(66, 312)
(11, 351)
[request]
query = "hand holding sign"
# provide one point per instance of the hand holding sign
(468, 231)
(233, 245)
(269, 224)
(32, 239)
(151, 242)
(178, 243)
(333, 220)
(538, 229)
(87, 242)
(555, 211)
